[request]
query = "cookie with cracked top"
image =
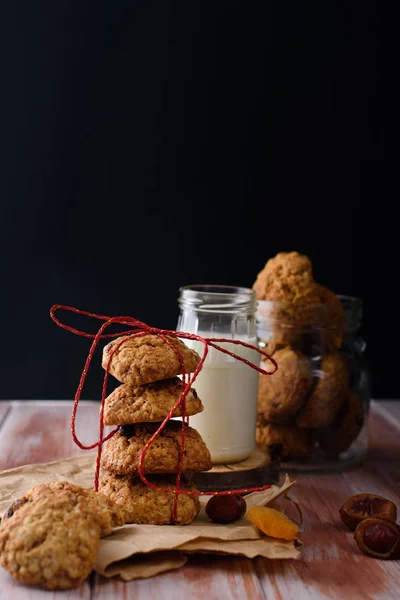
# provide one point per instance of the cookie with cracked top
(328, 394)
(148, 403)
(50, 542)
(145, 505)
(122, 452)
(107, 514)
(147, 358)
(295, 441)
(346, 427)
(296, 302)
(282, 394)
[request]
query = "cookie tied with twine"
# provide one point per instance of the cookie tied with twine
(136, 330)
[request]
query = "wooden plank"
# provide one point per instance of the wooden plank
(39, 432)
(36, 432)
(332, 566)
(389, 409)
(381, 472)
(203, 577)
(4, 406)
(10, 589)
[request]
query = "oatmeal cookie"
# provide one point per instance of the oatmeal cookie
(345, 428)
(295, 441)
(51, 542)
(147, 403)
(291, 301)
(107, 514)
(328, 395)
(144, 505)
(287, 276)
(281, 395)
(122, 452)
(147, 358)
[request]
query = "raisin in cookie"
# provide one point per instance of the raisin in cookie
(146, 403)
(51, 542)
(295, 441)
(329, 393)
(147, 358)
(282, 394)
(144, 505)
(122, 452)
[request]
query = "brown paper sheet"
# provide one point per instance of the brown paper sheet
(248, 548)
(137, 551)
(146, 565)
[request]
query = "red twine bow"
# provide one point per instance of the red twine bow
(138, 328)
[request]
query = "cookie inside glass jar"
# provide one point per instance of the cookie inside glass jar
(319, 396)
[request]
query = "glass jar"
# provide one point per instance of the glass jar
(317, 403)
(227, 387)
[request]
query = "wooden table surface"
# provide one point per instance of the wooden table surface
(331, 565)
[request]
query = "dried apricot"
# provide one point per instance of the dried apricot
(273, 522)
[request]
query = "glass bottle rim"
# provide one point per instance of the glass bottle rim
(217, 298)
(353, 302)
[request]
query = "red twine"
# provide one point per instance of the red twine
(138, 328)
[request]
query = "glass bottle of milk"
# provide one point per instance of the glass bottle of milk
(227, 387)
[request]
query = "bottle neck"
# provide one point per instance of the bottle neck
(218, 311)
(218, 299)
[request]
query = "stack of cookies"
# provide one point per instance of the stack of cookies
(148, 370)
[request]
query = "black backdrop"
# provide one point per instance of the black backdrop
(149, 145)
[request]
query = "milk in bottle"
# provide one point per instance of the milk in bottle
(227, 387)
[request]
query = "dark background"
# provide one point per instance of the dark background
(149, 145)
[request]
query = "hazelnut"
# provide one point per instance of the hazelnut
(226, 508)
(362, 506)
(378, 538)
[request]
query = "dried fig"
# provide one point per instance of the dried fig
(362, 506)
(378, 538)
